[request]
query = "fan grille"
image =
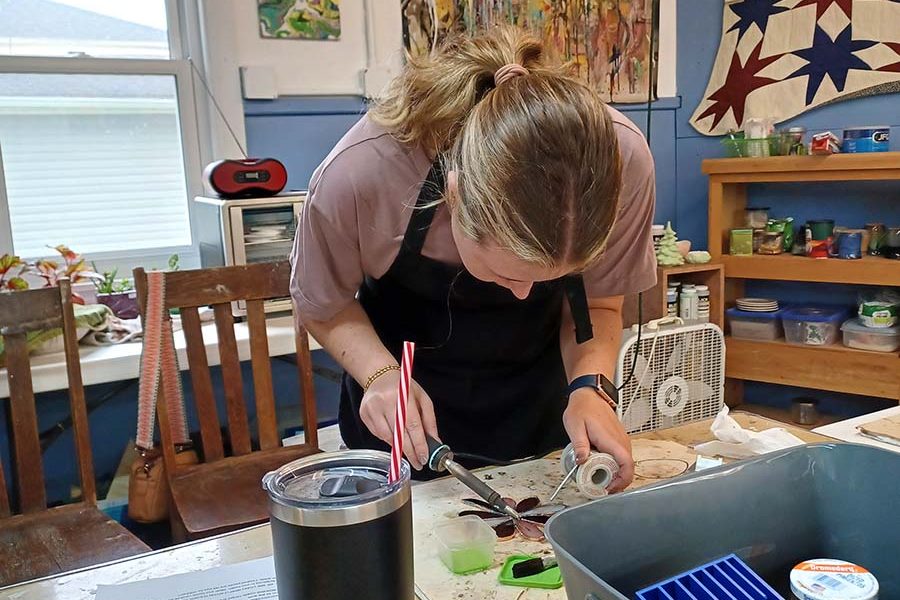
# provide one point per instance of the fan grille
(679, 377)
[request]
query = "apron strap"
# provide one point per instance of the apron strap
(426, 207)
(578, 304)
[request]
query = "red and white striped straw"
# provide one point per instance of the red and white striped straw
(406, 364)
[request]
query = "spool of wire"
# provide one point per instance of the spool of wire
(594, 475)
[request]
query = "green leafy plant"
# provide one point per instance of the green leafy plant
(173, 263)
(106, 283)
(72, 265)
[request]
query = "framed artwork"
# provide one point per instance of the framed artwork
(610, 43)
(300, 19)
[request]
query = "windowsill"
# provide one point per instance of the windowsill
(104, 364)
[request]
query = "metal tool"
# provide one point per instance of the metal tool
(440, 459)
(563, 483)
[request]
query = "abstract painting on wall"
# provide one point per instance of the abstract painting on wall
(610, 43)
(300, 19)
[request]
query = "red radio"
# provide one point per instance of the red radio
(246, 178)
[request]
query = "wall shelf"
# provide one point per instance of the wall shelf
(834, 368)
(870, 270)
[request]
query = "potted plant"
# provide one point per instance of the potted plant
(119, 295)
(17, 274)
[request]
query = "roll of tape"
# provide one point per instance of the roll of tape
(594, 475)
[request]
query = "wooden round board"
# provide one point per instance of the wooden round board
(656, 460)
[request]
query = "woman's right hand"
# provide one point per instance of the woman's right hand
(379, 405)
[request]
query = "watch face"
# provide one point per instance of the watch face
(609, 388)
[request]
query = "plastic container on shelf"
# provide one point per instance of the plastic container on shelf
(747, 325)
(465, 544)
(813, 325)
(879, 339)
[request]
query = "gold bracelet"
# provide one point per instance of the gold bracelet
(379, 373)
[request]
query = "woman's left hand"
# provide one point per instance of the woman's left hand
(591, 422)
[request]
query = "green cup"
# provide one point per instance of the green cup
(821, 229)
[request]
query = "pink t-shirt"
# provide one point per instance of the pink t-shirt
(360, 202)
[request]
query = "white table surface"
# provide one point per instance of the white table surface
(846, 431)
(103, 364)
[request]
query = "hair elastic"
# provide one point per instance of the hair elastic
(508, 71)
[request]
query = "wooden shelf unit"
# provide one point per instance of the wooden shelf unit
(654, 300)
(833, 368)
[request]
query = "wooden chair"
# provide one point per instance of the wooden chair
(224, 493)
(41, 541)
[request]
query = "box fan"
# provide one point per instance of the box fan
(678, 374)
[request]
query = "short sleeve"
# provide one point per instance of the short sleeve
(628, 265)
(326, 265)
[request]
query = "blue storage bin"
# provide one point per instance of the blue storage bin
(814, 325)
(750, 325)
(727, 577)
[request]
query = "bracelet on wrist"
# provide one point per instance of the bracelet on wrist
(379, 373)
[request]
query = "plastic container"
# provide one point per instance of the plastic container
(831, 579)
(880, 339)
(687, 304)
(741, 242)
(465, 544)
(820, 229)
(748, 325)
(752, 147)
(873, 138)
(727, 577)
(773, 511)
(756, 217)
(772, 243)
(703, 303)
(813, 326)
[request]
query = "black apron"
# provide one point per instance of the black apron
(490, 362)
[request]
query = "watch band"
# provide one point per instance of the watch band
(600, 384)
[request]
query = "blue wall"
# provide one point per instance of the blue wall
(851, 204)
(300, 131)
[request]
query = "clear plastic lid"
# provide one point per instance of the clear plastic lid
(830, 579)
(855, 326)
(333, 480)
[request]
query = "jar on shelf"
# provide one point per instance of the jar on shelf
(772, 243)
(756, 217)
(687, 304)
(702, 303)
(876, 238)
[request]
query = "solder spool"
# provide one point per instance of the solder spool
(594, 475)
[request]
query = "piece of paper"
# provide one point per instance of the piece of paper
(252, 580)
(733, 441)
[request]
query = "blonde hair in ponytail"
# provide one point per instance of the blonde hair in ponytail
(536, 157)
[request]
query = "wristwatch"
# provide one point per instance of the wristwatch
(600, 384)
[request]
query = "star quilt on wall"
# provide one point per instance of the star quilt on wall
(781, 58)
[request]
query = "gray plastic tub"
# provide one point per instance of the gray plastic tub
(817, 501)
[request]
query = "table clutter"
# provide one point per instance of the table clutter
(759, 138)
(873, 329)
(817, 238)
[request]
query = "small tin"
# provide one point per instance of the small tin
(830, 579)
(867, 139)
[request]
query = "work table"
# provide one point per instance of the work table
(433, 500)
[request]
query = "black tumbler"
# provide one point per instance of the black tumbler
(339, 531)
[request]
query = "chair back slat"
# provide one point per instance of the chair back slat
(201, 384)
(221, 285)
(238, 428)
(30, 310)
(4, 495)
(305, 373)
(263, 391)
(26, 443)
(77, 403)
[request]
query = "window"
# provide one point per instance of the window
(98, 141)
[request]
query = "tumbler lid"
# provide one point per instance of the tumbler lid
(335, 488)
